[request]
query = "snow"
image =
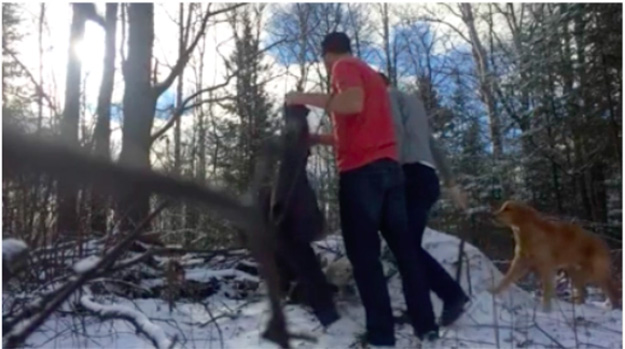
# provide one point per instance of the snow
(11, 248)
(480, 209)
(86, 264)
(339, 272)
(514, 319)
(142, 322)
(205, 275)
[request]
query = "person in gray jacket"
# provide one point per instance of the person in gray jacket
(421, 157)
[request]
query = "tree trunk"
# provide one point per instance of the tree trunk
(42, 14)
(599, 192)
(484, 77)
(67, 222)
(139, 107)
(584, 100)
(193, 213)
(303, 13)
(102, 132)
(350, 11)
(176, 208)
(390, 69)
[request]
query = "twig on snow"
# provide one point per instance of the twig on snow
(141, 322)
(17, 338)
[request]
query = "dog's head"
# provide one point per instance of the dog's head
(513, 213)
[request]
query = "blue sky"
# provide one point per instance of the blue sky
(458, 59)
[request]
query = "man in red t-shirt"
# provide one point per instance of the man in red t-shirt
(371, 195)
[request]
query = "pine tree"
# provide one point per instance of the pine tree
(251, 105)
(467, 140)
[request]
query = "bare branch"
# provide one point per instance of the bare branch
(206, 101)
(91, 14)
(183, 107)
(17, 338)
(182, 60)
(450, 9)
(32, 79)
(433, 19)
(141, 322)
(129, 263)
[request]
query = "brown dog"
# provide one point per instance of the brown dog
(544, 245)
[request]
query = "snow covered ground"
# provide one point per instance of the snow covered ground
(513, 320)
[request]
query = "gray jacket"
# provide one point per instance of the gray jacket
(412, 131)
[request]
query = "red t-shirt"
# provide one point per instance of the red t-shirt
(367, 136)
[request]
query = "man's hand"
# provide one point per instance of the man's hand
(317, 100)
(293, 98)
(458, 196)
(349, 101)
(321, 139)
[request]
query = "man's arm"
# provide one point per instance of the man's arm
(441, 163)
(349, 101)
(415, 108)
(322, 139)
(318, 100)
(411, 107)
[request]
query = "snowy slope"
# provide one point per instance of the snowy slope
(513, 320)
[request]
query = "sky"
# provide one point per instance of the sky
(91, 51)
(219, 44)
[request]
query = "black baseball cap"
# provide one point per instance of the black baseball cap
(336, 42)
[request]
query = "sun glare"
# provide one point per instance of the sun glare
(79, 50)
(90, 50)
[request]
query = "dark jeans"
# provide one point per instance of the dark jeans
(372, 199)
(422, 191)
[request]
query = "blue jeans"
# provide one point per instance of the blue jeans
(372, 199)
(422, 191)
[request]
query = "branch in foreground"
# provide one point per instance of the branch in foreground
(23, 153)
(141, 322)
(262, 246)
(17, 338)
(30, 309)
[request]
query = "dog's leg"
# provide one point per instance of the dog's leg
(601, 274)
(517, 270)
(578, 281)
(547, 276)
(609, 288)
